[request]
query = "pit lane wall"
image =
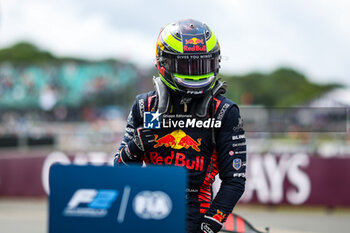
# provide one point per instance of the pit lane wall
(294, 179)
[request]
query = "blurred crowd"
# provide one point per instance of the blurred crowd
(68, 84)
(48, 104)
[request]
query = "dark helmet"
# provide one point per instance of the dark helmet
(188, 57)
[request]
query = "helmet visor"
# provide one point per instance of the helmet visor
(192, 66)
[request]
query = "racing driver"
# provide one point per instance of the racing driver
(191, 125)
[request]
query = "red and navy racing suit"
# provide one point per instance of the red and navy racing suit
(195, 149)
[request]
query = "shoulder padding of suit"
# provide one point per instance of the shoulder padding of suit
(143, 102)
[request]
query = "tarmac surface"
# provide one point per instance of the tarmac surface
(30, 216)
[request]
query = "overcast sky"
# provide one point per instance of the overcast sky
(312, 36)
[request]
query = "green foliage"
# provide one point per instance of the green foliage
(24, 52)
(283, 87)
(26, 72)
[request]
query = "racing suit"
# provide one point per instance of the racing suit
(205, 152)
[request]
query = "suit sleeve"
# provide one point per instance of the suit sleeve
(123, 155)
(231, 152)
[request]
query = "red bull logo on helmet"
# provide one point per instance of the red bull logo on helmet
(195, 48)
(194, 40)
(177, 139)
(194, 44)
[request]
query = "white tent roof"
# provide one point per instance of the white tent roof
(339, 97)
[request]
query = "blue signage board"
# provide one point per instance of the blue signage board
(117, 199)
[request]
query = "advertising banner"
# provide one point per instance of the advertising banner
(126, 199)
(295, 179)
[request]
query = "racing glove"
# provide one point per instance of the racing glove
(210, 225)
(143, 140)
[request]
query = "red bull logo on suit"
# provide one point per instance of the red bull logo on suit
(219, 216)
(178, 159)
(177, 139)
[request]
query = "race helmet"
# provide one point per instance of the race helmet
(188, 57)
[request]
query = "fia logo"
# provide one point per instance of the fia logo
(90, 202)
(155, 205)
(151, 120)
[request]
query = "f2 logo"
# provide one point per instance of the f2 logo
(97, 199)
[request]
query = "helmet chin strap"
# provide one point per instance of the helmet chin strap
(200, 108)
